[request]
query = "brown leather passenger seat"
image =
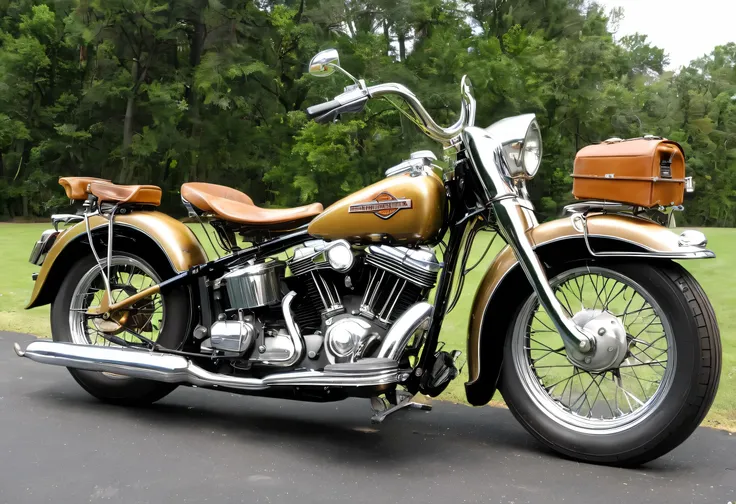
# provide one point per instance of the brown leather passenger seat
(76, 187)
(138, 194)
(235, 206)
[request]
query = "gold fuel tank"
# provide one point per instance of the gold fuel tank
(398, 209)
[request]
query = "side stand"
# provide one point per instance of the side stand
(382, 408)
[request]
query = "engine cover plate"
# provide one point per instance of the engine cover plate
(232, 336)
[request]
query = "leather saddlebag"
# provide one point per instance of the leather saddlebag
(645, 172)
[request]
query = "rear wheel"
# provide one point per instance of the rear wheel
(648, 402)
(164, 318)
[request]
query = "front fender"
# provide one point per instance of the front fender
(504, 286)
(158, 233)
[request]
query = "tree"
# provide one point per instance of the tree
(164, 92)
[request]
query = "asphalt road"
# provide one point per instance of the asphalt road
(59, 445)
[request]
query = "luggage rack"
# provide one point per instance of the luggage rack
(661, 215)
(693, 245)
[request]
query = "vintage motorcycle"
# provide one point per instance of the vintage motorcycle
(604, 348)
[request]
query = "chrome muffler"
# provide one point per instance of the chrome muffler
(177, 369)
(135, 363)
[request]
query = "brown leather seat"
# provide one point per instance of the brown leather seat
(76, 187)
(138, 194)
(232, 205)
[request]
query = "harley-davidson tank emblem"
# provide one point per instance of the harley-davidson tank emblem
(384, 205)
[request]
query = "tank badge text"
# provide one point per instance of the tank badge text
(384, 205)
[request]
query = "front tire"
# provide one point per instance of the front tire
(168, 324)
(654, 399)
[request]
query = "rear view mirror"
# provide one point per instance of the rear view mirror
(324, 62)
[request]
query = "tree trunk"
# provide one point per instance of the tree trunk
(195, 57)
(49, 98)
(387, 36)
(128, 125)
(402, 46)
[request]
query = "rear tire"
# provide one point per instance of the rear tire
(686, 392)
(116, 389)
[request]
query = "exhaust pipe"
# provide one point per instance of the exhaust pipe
(417, 317)
(177, 369)
(135, 363)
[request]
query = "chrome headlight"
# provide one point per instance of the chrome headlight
(521, 140)
(531, 150)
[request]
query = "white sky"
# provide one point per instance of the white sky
(685, 29)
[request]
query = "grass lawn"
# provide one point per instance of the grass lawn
(717, 276)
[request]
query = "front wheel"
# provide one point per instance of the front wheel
(646, 404)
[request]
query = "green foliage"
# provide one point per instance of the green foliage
(165, 92)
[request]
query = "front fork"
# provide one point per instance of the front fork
(508, 211)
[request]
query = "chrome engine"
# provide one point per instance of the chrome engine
(345, 299)
(352, 296)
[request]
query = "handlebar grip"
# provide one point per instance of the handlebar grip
(322, 108)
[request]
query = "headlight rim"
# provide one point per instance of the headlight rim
(532, 129)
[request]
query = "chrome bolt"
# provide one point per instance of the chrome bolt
(262, 348)
(583, 345)
(601, 331)
(610, 349)
(418, 371)
(328, 321)
(587, 360)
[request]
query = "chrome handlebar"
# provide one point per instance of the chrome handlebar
(421, 117)
(425, 121)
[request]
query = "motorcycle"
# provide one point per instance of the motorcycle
(604, 348)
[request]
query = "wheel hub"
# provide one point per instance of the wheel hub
(611, 344)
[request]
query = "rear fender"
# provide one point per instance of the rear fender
(161, 238)
(504, 286)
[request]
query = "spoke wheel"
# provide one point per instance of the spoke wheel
(597, 401)
(128, 275)
(644, 400)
